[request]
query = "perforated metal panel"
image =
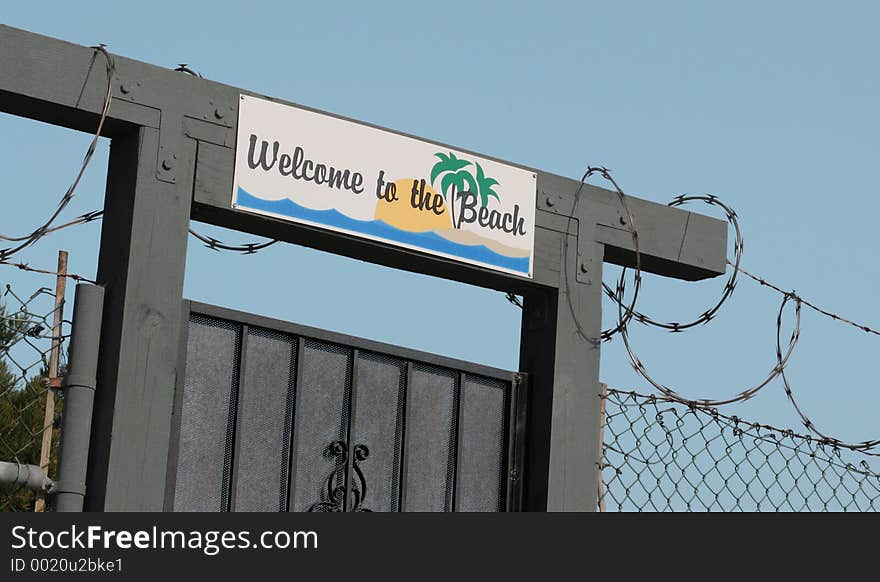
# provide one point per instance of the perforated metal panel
(378, 423)
(272, 416)
(321, 419)
(205, 445)
(430, 445)
(481, 433)
(265, 401)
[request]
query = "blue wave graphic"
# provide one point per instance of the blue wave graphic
(381, 229)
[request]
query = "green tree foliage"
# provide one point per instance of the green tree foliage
(22, 411)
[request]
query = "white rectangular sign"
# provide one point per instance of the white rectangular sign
(306, 167)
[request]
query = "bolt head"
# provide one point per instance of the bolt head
(167, 164)
(549, 201)
(584, 268)
(125, 89)
(218, 114)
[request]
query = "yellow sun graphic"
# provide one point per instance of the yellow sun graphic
(401, 214)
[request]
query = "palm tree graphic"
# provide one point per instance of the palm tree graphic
(456, 181)
(485, 186)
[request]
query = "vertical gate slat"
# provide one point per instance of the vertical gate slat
(456, 435)
(294, 441)
(401, 506)
(233, 445)
(349, 433)
(321, 420)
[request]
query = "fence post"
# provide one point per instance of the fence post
(54, 357)
(79, 395)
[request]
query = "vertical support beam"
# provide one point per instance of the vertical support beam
(517, 424)
(79, 383)
(561, 465)
(141, 264)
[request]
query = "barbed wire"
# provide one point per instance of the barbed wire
(184, 68)
(41, 231)
(81, 219)
(217, 245)
(29, 269)
(209, 241)
(512, 298)
(764, 283)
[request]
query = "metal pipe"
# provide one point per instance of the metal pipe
(30, 476)
(79, 396)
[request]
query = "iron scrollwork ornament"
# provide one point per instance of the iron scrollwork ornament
(335, 494)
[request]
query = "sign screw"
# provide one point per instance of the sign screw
(167, 164)
(584, 268)
(218, 114)
(549, 201)
(125, 89)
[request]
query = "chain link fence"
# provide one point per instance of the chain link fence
(30, 404)
(660, 455)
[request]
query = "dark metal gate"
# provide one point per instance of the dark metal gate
(273, 416)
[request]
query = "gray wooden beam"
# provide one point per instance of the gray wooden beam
(63, 83)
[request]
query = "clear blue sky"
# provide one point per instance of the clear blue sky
(771, 106)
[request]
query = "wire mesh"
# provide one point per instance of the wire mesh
(660, 455)
(26, 323)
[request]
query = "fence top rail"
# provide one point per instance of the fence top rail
(260, 321)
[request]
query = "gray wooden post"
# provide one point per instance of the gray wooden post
(142, 260)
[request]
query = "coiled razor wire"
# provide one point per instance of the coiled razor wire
(628, 312)
(46, 228)
(607, 334)
(741, 396)
(729, 286)
(863, 446)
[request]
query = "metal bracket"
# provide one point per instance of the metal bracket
(170, 135)
(553, 202)
(212, 118)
